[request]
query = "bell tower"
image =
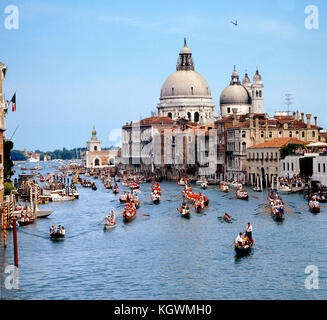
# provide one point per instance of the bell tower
(257, 93)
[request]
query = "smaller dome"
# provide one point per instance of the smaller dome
(257, 76)
(185, 50)
(246, 79)
(235, 94)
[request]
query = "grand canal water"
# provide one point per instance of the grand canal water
(163, 256)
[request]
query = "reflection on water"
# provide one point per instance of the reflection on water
(163, 256)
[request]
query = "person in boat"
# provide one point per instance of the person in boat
(248, 232)
(63, 230)
(239, 240)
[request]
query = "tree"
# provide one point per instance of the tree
(8, 164)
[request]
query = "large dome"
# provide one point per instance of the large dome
(235, 94)
(185, 83)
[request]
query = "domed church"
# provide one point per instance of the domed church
(185, 93)
(245, 97)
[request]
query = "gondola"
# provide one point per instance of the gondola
(129, 217)
(115, 190)
(109, 225)
(25, 223)
(57, 236)
(185, 214)
(314, 207)
(242, 195)
(227, 218)
(94, 187)
(243, 250)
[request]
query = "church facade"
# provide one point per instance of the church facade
(94, 157)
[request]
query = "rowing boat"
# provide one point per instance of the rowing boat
(243, 250)
(314, 206)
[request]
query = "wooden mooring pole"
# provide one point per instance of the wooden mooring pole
(15, 241)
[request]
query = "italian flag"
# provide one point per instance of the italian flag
(13, 101)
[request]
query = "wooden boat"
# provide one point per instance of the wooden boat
(227, 218)
(25, 223)
(204, 185)
(134, 185)
(57, 236)
(94, 187)
(129, 216)
(243, 250)
(242, 194)
(184, 213)
(199, 206)
(223, 187)
(115, 190)
(109, 225)
(314, 206)
(155, 197)
(108, 185)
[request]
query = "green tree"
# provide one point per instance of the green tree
(8, 164)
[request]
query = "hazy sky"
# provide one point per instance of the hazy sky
(75, 64)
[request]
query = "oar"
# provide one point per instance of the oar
(255, 197)
(261, 249)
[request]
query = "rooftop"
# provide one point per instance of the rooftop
(278, 143)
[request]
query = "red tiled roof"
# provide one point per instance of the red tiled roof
(277, 143)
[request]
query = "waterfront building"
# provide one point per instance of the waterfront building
(3, 112)
(238, 132)
(95, 157)
(263, 160)
(185, 93)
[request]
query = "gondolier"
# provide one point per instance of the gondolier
(248, 232)
(239, 240)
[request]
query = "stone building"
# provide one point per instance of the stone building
(244, 131)
(263, 160)
(3, 112)
(185, 93)
(94, 157)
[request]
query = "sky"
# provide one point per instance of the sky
(75, 64)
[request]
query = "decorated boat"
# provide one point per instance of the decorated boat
(223, 187)
(185, 212)
(155, 197)
(242, 194)
(314, 206)
(129, 212)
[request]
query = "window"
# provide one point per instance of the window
(292, 166)
(280, 133)
(313, 134)
(290, 134)
(243, 146)
(318, 167)
(228, 110)
(284, 167)
(192, 90)
(196, 117)
(243, 134)
(270, 134)
(170, 115)
(262, 134)
(260, 93)
(288, 166)
(172, 91)
(95, 148)
(257, 93)
(302, 134)
(189, 115)
(324, 167)
(97, 162)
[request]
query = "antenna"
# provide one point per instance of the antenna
(13, 133)
(288, 101)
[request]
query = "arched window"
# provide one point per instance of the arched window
(290, 134)
(111, 162)
(96, 162)
(170, 115)
(257, 93)
(243, 134)
(260, 93)
(262, 134)
(189, 115)
(313, 134)
(196, 117)
(243, 146)
(192, 91)
(270, 134)
(95, 148)
(172, 91)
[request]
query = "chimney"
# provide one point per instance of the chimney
(235, 117)
(297, 115)
(251, 120)
(316, 123)
(308, 120)
(293, 115)
(302, 117)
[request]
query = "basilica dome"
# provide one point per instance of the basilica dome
(185, 93)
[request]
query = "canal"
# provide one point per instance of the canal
(160, 255)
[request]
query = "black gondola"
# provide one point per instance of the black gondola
(243, 250)
(57, 236)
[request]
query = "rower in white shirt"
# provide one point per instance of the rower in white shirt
(248, 232)
(239, 239)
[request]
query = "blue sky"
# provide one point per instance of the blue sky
(75, 64)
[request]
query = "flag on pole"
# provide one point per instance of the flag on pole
(13, 101)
